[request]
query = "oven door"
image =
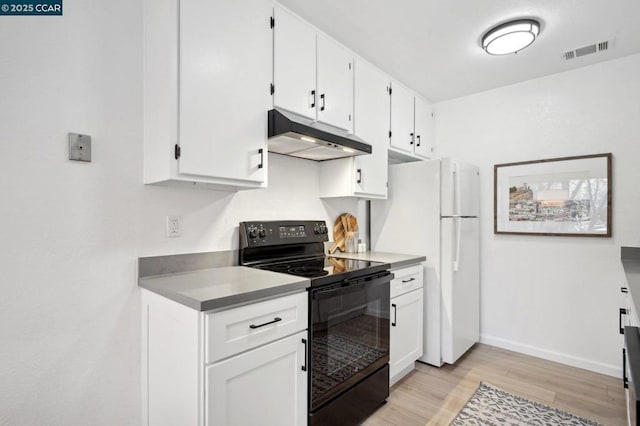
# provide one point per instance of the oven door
(349, 331)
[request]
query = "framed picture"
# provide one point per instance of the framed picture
(560, 196)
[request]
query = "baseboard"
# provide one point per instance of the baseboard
(574, 361)
(400, 374)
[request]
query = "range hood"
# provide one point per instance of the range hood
(297, 136)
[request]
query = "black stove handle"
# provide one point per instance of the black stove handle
(276, 319)
(384, 276)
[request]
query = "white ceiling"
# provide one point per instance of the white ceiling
(433, 46)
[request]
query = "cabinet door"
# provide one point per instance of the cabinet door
(423, 128)
(402, 118)
(265, 386)
(335, 84)
(294, 64)
(372, 120)
(406, 331)
(224, 96)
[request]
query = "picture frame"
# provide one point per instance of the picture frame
(569, 196)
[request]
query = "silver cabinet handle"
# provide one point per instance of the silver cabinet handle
(409, 280)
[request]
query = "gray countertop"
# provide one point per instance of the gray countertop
(630, 257)
(218, 286)
(396, 260)
(215, 288)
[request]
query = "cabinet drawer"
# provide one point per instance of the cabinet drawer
(236, 330)
(406, 279)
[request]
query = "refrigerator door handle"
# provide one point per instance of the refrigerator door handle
(456, 188)
(456, 262)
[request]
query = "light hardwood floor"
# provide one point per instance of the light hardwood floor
(434, 396)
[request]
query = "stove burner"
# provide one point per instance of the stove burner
(308, 271)
(320, 269)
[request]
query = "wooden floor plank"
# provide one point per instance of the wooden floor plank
(434, 395)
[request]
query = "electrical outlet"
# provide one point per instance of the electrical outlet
(174, 226)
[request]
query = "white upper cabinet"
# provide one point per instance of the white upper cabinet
(372, 115)
(402, 110)
(335, 84)
(423, 128)
(205, 105)
(224, 88)
(411, 126)
(294, 64)
(363, 176)
(312, 74)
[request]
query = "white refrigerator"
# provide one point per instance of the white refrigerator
(432, 210)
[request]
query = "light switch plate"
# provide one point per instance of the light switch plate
(79, 147)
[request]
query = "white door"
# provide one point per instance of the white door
(423, 128)
(372, 121)
(402, 118)
(266, 386)
(460, 272)
(460, 188)
(335, 84)
(406, 331)
(223, 124)
(294, 64)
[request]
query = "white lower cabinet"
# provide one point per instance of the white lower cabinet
(265, 386)
(255, 376)
(406, 321)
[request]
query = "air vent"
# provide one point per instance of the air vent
(588, 50)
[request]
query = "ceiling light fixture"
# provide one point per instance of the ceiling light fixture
(510, 37)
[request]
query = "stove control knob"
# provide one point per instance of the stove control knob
(253, 233)
(262, 233)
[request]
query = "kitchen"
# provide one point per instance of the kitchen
(76, 230)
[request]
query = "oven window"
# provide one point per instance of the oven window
(350, 335)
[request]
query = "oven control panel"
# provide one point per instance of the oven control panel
(268, 233)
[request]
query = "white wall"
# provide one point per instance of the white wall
(72, 232)
(555, 297)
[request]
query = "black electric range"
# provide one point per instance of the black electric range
(349, 311)
(297, 248)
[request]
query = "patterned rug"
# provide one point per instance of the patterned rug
(490, 406)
